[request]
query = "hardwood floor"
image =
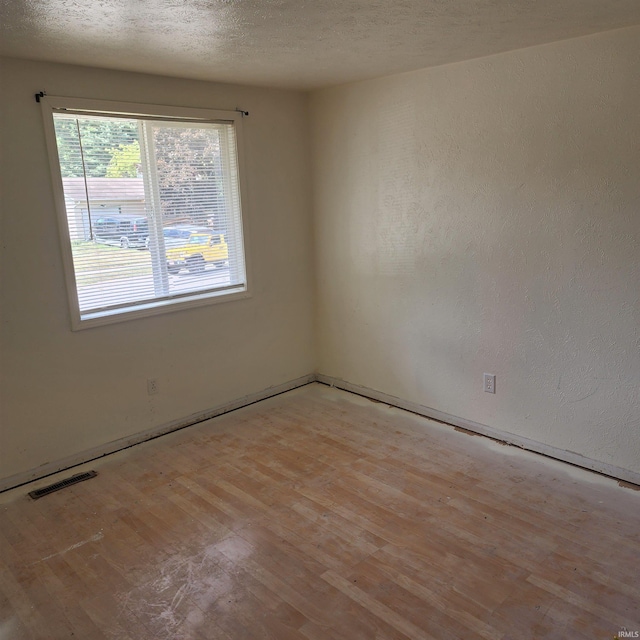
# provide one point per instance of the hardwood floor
(318, 514)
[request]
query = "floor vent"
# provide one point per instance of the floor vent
(63, 484)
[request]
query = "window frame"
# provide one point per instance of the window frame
(88, 106)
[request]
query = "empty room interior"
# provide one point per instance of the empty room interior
(339, 300)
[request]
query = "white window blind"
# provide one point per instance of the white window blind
(152, 210)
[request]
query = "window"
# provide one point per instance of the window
(149, 206)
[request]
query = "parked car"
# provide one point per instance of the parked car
(122, 230)
(183, 232)
(202, 248)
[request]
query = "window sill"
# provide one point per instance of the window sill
(158, 307)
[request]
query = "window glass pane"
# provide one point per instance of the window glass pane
(152, 207)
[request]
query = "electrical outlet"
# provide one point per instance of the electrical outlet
(152, 386)
(489, 383)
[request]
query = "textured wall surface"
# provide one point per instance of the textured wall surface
(65, 392)
(481, 216)
(485, 217)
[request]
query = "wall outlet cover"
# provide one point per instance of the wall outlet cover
(489, 383)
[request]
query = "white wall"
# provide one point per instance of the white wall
(482, 216)
(65, 392)
(485, 217)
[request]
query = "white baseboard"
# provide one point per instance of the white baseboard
(503, 436)
(124, 443)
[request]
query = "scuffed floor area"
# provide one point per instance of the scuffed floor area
(318, 514)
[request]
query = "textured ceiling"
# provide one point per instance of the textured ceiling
(300, 44)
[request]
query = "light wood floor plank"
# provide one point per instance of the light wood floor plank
(319, 515)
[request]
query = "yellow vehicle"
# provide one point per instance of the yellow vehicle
(199, 250)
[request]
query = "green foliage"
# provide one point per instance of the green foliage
(189, 170)
(125, 161)
(100, 138)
